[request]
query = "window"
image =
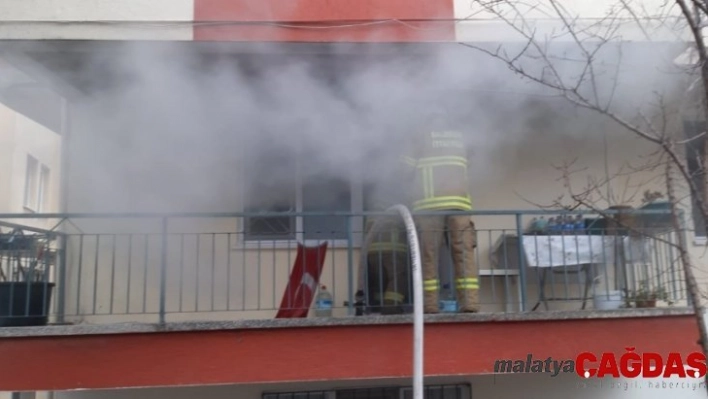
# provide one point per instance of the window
(31, 183)
(458, 391)
(281, 179)
(695, 153)
(300, 395)
(36, 185)
(271, 188)
(369, 393)
(440, 392)
(43, 189)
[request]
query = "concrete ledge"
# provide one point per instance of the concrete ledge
(139, 328)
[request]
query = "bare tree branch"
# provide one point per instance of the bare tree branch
(655, 124)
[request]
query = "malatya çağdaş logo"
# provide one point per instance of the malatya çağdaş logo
(629, 365)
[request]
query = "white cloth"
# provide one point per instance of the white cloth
(570, 250)
(567, 250)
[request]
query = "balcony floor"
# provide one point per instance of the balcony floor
(130, 328)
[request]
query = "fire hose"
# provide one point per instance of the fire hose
(417, 272)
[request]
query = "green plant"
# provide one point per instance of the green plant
(24, 258)
(646, 295)
(651, 196)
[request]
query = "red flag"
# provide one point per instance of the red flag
(304, 280)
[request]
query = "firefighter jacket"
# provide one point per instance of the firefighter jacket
(439, 159)
(390, 234)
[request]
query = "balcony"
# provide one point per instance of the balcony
(157, 268)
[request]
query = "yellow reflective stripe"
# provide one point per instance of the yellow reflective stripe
(467, 283)
(442, 159)
(436, 164)
(393, 296)
(430, 285)
(444, 205)
(429, 182)
(386, 246)
(454, 198)
(464, 203)
(425, 182)
(447, 198)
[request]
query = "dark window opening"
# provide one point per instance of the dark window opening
(458, 391)
(271, 188)
(325, 194)
(281, 181)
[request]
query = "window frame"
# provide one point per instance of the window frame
(31, 191)
(694, 150)
(356, 201)
(43, 185)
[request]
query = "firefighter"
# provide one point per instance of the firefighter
(439, 158)
(387, 254)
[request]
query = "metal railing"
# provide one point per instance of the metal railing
(221, 266)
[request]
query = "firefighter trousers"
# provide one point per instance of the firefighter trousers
(389, 272)
(462, 241)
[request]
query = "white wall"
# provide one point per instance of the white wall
(21, 137)
(7, 147)
(35, 12)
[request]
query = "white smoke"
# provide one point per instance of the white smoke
(167, 126)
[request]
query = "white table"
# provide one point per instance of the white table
(582, 252)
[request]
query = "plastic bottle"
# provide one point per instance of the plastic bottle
(542, 225)
(359, 303)
(448, 303)
(579, 224)
(533, 226)
(569, 224)
(552, 226)
(323, 303)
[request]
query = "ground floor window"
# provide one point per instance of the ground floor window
(458, 391)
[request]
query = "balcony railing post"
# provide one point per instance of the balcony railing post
(61, 280)
(683, 230)
(522, 258)
(350, 266)
(163, 270)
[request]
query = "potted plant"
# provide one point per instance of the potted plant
(646, 296)
(25, 289)
(660, 220)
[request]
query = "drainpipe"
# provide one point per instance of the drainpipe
(417, 291)
(65, 130)
(63, 208)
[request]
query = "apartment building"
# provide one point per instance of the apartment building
(203, 140)
(30, 156)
